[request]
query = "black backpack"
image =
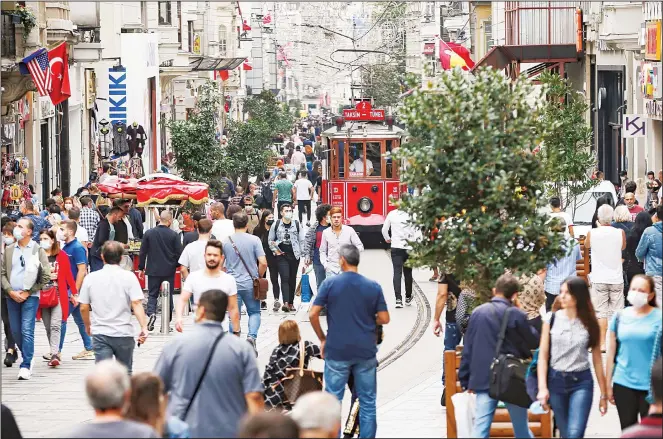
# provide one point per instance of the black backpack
(267, 193)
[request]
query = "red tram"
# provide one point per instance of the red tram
(359, 175)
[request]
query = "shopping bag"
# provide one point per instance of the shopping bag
(464, 408)
(306, 288)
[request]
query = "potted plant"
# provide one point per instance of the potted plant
(24, 15)
(471, 147)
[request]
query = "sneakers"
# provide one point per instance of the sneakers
(277, 306)
(408, 301)
(55, 361)
(151, 321)
(24, 374)
(263, 305)
(10, 358)
(399, 303)
(47, 357)
(291, 307)
(84, 355)
(285, 308)
(252, 342)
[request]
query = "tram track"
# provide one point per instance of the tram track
(420, 326)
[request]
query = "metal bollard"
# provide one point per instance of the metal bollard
(165, 308)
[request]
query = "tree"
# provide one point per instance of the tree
(471, 146)
(566, 150)
(381, 82)
(265, 107)
(197, 152)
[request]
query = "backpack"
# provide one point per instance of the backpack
(278, 223)
(267, 193)
(224, 192)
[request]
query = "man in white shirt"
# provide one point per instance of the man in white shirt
(304, 192)
(81, 234)
(193, 256)
(401, 232)
(298, 158)
(211, 278)
(332, 240)
(222, 227)
(109, 295)
(358, 165)
(556, 206)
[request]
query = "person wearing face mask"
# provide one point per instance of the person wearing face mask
(262, 232)
(285, 244)
(650, 251)
(314, 239)
(633, 331)
(61, 281)
(68, 204)
(10, 346)
(23, 299)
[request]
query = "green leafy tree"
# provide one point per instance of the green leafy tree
(471, 145)
(197, 152)
(566, 149)
(381, 82)
(266, 108)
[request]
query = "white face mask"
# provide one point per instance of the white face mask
(287, 215)
(46, 245)
(8, 240)
(637, 298)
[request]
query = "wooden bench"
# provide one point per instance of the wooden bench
(541, 425)
(582, 265)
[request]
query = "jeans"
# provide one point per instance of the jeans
(78, 319)
(398, 258)
(485, 410)
(122, 348)
(365, 384)
(571, 396)
(252, 309)
(320, 275)
(452, 337)
(9, 338)
(288, 266)
(22, 317)
(630, 403)
(154, 290)
(304, 205)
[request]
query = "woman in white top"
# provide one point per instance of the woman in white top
(606, 277)
(563, 369)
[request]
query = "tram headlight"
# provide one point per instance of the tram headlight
(365, 205)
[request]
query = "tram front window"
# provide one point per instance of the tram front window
(355, 158)
(373, 159)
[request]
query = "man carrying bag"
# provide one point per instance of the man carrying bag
(497, 330)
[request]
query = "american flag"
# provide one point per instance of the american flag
(37, 64)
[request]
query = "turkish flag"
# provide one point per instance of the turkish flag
(455, 55)
(247, 66)
(223, 74)
(245, 26)
(59, 65)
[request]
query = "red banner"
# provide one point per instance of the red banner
(363, 111)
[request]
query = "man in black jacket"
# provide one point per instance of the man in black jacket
(162, 248)
(480, 343)
(105, 232)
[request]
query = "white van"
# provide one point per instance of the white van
(583, 207)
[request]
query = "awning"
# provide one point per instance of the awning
(501, 56)
(207, 63)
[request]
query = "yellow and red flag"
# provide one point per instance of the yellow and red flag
(455, 55)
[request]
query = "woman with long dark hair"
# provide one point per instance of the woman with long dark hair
(630, 264)
(564, 375)
(262, 232)
(631, 339)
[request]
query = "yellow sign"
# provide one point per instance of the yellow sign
(653, 40)
(196, 44)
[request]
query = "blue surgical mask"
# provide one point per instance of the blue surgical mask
(18, 233)
(9, 240)
(287, 215)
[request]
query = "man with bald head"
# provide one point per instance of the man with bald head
(222, 227)
(108, 389)
(160, 252)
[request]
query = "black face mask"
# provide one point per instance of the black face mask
(270, 222)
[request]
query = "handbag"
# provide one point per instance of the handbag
(202, 375)
(49, 297)
(507, 374)
(465, 412)
(299, 381)
(260, 285)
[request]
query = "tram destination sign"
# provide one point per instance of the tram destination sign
(363, 111)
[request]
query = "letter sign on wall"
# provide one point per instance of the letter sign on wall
(634, 125)
(117, 95)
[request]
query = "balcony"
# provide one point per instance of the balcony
(620, 26)
(8, 37)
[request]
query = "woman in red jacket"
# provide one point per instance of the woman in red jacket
(61, 280)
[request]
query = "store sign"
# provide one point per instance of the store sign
(654, 109)
(653, 40)
(117, 95)
(90, 88)
(429, 48)
(363, 111)
(634, 125)
(46, 107)
(650, 80)
(196, 44)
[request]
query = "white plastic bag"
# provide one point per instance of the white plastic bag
(32, 264)
(464, 408)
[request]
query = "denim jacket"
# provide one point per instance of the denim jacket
(650, 249)
(277, 234)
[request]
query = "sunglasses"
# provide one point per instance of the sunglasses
(22, 261)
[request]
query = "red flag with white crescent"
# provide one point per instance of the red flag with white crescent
(59, 65)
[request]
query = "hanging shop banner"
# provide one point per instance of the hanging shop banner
(634, 125)
(653, 40)
(90, 88)
(429, 49)
(654, 109)
(196, 44)
(650, 79)
(117, 94)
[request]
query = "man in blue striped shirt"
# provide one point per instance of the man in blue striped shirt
(560, 269)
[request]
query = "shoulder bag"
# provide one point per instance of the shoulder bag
(299, 381)
(202, 376)
(260, 285)
(507, 374)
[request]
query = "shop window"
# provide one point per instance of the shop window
(190, 35)
(355, 152)
(341, 159)
(223, 40)
(164, 13)
(179, 24)
(389, 161)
